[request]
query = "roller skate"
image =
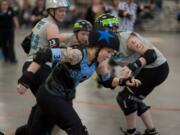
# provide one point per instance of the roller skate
(135, 133)
(151, 132)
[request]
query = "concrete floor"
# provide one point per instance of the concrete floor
(97, 107)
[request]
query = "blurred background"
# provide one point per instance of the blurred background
(157, 20)
(152, 15)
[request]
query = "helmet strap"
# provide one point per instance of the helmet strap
(77, 38)
(76, 34)
(96, 54)
(53, 16)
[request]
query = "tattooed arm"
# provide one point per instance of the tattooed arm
(69, 55)
(72, 56)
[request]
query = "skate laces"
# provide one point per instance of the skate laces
(126, 133)
(123, 131)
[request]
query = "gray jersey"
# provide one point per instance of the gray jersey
(128, 56)
(39, 39)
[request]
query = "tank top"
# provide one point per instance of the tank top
(66, 77)
(39, 39)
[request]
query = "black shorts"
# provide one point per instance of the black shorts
(53, 110)
(150, 78)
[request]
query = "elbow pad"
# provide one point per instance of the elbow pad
(150, 56)
(107, 83)
(54, 43)
(26, 43)
(43, 56)
(26, 79)
(135, 65)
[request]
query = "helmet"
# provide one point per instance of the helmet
(57, 4)
(102, 38)
(107, 21)
(82, 25)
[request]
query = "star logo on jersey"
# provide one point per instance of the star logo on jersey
(104, 35)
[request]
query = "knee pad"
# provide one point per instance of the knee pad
(142, 107)
(79, 130)
(23, 130)
(127, 105)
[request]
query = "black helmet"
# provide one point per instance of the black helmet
(82, 25)
(107, 21)
(102, 38)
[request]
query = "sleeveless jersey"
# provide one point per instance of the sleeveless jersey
(39, 39)
(66, 77)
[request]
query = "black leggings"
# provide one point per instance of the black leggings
(55, 110)
(40, 78)
(150, 78)
(7, 44)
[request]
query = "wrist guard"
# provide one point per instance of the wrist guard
(107, 83)
(26, 79)
(122, 81)
(135, 65)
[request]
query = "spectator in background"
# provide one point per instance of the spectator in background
(7, 28)
(126, 10)
(15, 5)
(147, 10)
(25, 14)
(178, 18)
(159, 4)
(38, 12)
(74, 14)
(97, 8)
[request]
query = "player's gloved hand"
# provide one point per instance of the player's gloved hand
(131, 81)
(25, 81)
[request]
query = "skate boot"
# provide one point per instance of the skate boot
(23, 130)
(135, 133)
(1, 133)
(151, 132)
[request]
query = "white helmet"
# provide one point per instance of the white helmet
(57, 4)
